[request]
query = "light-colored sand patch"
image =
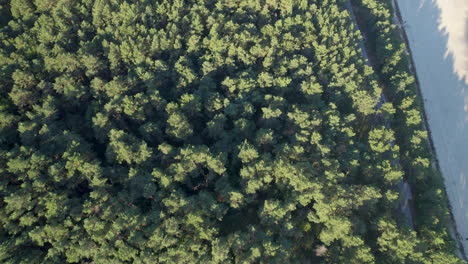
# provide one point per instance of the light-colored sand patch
(453, 21)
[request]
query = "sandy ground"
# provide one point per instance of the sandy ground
(434, 28)
(453, 20)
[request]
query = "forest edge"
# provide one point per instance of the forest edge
(373, 60)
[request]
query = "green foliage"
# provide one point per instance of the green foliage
(198, 132)
(431, 202)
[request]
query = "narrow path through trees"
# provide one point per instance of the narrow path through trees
(403, 186)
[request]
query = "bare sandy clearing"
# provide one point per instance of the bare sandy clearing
(453, 21)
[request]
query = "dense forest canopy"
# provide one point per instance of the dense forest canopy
(197, 131)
